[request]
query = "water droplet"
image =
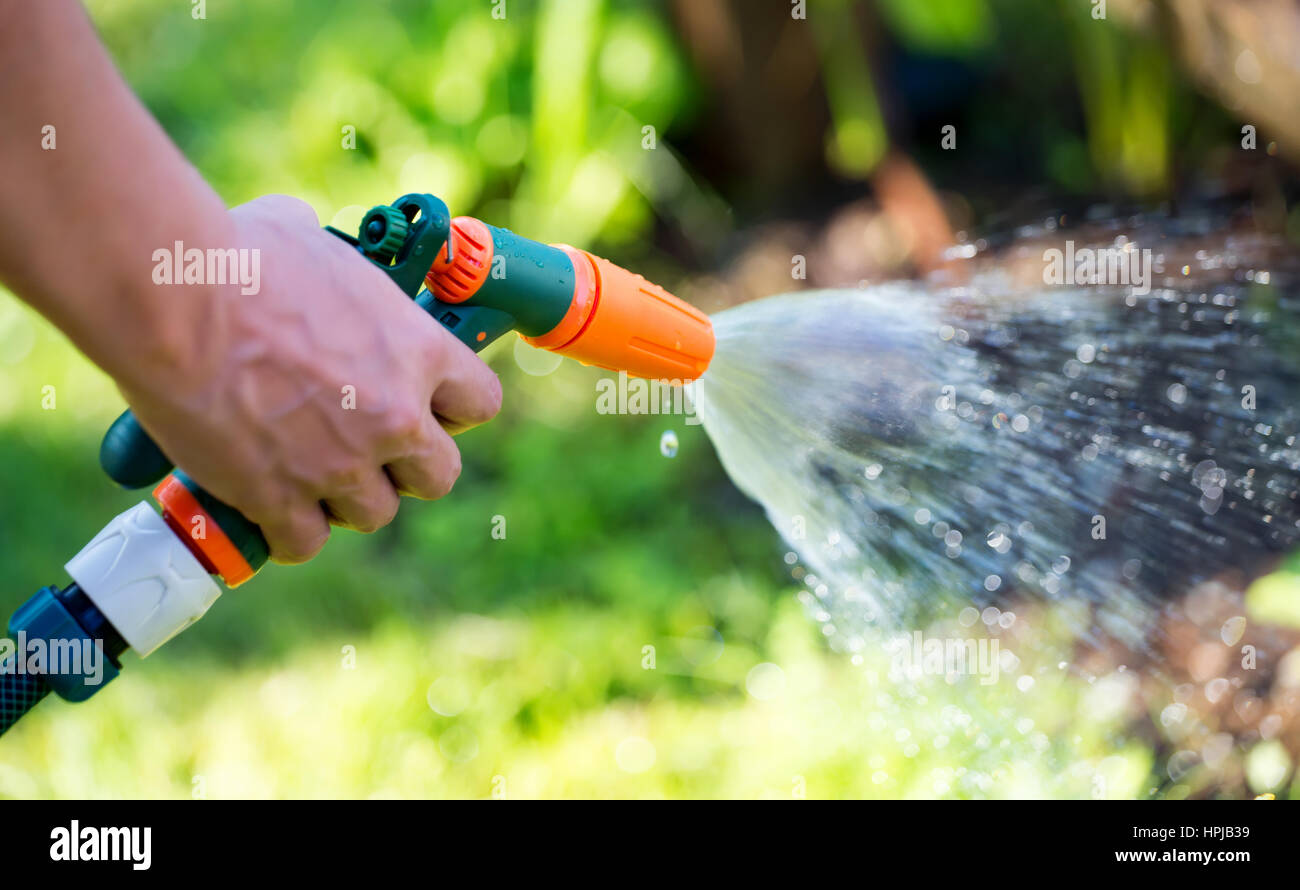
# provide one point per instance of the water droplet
(458, 744)
(534, 361)
(1215, 689)
(702, 645)
(998, 540)
(1181, 763)
(1232, 631)
(765, 681)
(1173, 714)
(668, 444)
(448, 696)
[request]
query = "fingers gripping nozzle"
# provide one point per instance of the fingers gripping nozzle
(148, 575)
(482, 282)
(403, 239)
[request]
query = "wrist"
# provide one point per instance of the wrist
(171, 296)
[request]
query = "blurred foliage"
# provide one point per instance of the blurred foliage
(858, 140)
(524, 658)
(1127, 88)
(1275, 598)
(1047, 98)
(940, 25)
(442, 98)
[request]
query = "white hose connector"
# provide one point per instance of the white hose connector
(143, 578)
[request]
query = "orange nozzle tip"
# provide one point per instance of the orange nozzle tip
(638, 327)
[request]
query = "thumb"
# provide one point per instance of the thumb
(283, 208)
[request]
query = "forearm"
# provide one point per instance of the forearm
(82, 220)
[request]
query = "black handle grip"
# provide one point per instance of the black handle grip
(129, 456)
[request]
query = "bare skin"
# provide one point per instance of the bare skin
(249, 393)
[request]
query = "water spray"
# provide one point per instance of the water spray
(148, 575)
(926, 450)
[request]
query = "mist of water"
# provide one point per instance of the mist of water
(920, 449)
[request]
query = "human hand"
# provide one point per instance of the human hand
(315, 401)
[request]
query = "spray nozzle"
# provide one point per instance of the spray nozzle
(568, 301)
(480, 282)
(483, 281)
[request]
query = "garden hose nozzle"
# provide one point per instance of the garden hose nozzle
(149, 575)
(570, 302)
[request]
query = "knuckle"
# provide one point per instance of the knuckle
(253, 503)
(432, 345)
(344, 477)
(405, 423)
(483, 389)
(449, 472)
(492, 395)
(297, 549)
(367, 524)
(388, 512)
(376, 517)
(258, 503)
(436, 477)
